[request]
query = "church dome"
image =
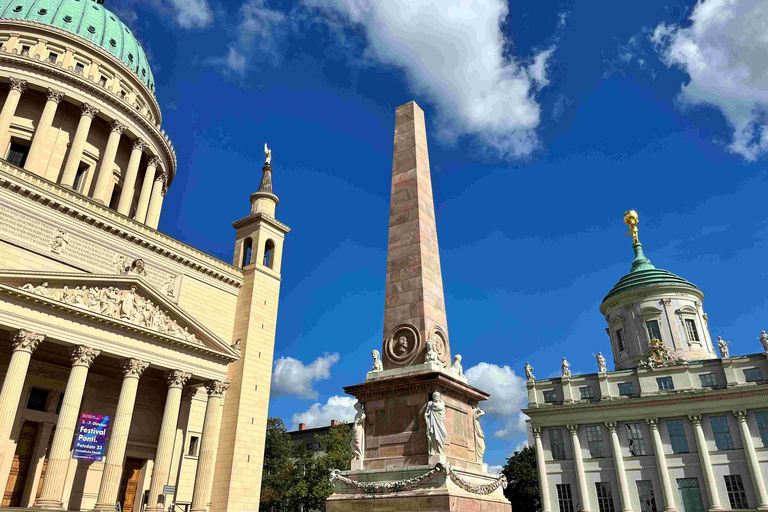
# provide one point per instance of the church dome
(89, 20)
(643, 274)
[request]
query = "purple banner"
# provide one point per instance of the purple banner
(91, 437)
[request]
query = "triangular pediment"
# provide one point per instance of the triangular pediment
(128, 301)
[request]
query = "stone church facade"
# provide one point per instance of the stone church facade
(100, 313)
(674, 427)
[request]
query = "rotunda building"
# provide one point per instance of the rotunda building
(79, 108)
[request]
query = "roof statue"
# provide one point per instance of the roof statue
(631, 219)
(268, 155)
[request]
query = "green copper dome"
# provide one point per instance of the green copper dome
(89, 20)
(644, 274)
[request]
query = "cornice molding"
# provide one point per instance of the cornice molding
(86, 210)
(261, 216)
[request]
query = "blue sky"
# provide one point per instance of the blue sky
(546, 121)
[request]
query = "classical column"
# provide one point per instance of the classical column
(159, 189)
(51, 494)
(78, 144)
(580, 476)
(754, 464)
(541, 466)
(129, 184)
(9, 110)
(108, 163)
(706, 465)
(176, 380)
(618, 462)
(207, 461)
(661, 465)
(38, 141)
(146, 189)
(24, 343)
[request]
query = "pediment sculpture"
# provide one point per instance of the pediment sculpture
(126, 305)
(659, 355)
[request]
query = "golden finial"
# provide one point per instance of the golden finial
(631, 220)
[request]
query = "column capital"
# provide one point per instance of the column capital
(695, 419)
(26, 341)
(611, 426)
(133, 367)
(83, 356)
(18, 85)
(216, 388)
(118, 127)
(55, 96)
(154, 160)
(536, 431)
(740, 415)
(139, 144)
(177, 378)
(88, 111)
(653, 423)
(573, 429)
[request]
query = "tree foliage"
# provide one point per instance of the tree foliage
(296, 480)
(523, 481)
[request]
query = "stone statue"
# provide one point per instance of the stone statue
(358, 432)
(127, 303)
(431, 356)
(137, 267)
(479, 435)
(40, 290)
(170, 286)
(566, 367)
(267, 155)
(723, 346)
(529, 372)
(601, 368)
(434, 416)
(377, 364)
(59, 242)
(402, 346)
(764, 340)
(457, 368)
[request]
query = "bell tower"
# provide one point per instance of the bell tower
(258, 252)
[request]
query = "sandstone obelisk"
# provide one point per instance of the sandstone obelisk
(414, 310)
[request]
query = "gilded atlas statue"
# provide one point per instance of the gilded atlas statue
(631, 219)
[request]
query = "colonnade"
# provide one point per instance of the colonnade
(152, 189)
(82, 357)
(661, 464)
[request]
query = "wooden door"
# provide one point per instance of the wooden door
(129, 483)
(20, 468)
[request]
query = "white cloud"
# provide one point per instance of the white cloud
(508, 396)
(495, 470)
(455, 53)
(341, 408)
(723, 53)
(291, 377)
(521, 445)
(192, 13)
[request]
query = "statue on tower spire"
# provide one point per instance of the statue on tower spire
(631, 219)
(267, 155)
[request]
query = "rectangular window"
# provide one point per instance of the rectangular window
(708, 380)
(38, 398)
(557, 443)
(635, 438)
(53, 57)
(25, 50)
(550, 395)
(79, 68)
(677, 436)
(564, 497)
(645, 493)
(194, 443)
(665, 383)
(762, 425)
(736, 494)
(626, 389)
(103, 81)
(722, 432)
(604, 497)
(17, 155)
(79, 178)
(690, 328)
(595, 441)
(620, 340)
(587, 392)
(653, 330)
(753, 375)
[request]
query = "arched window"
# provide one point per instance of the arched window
(269, 249)
(247, 249)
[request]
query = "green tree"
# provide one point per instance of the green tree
(523, 481)
(278, 450)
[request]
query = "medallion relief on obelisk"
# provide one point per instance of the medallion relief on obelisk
(414, 310)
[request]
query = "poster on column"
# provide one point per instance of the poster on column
(91, 437)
